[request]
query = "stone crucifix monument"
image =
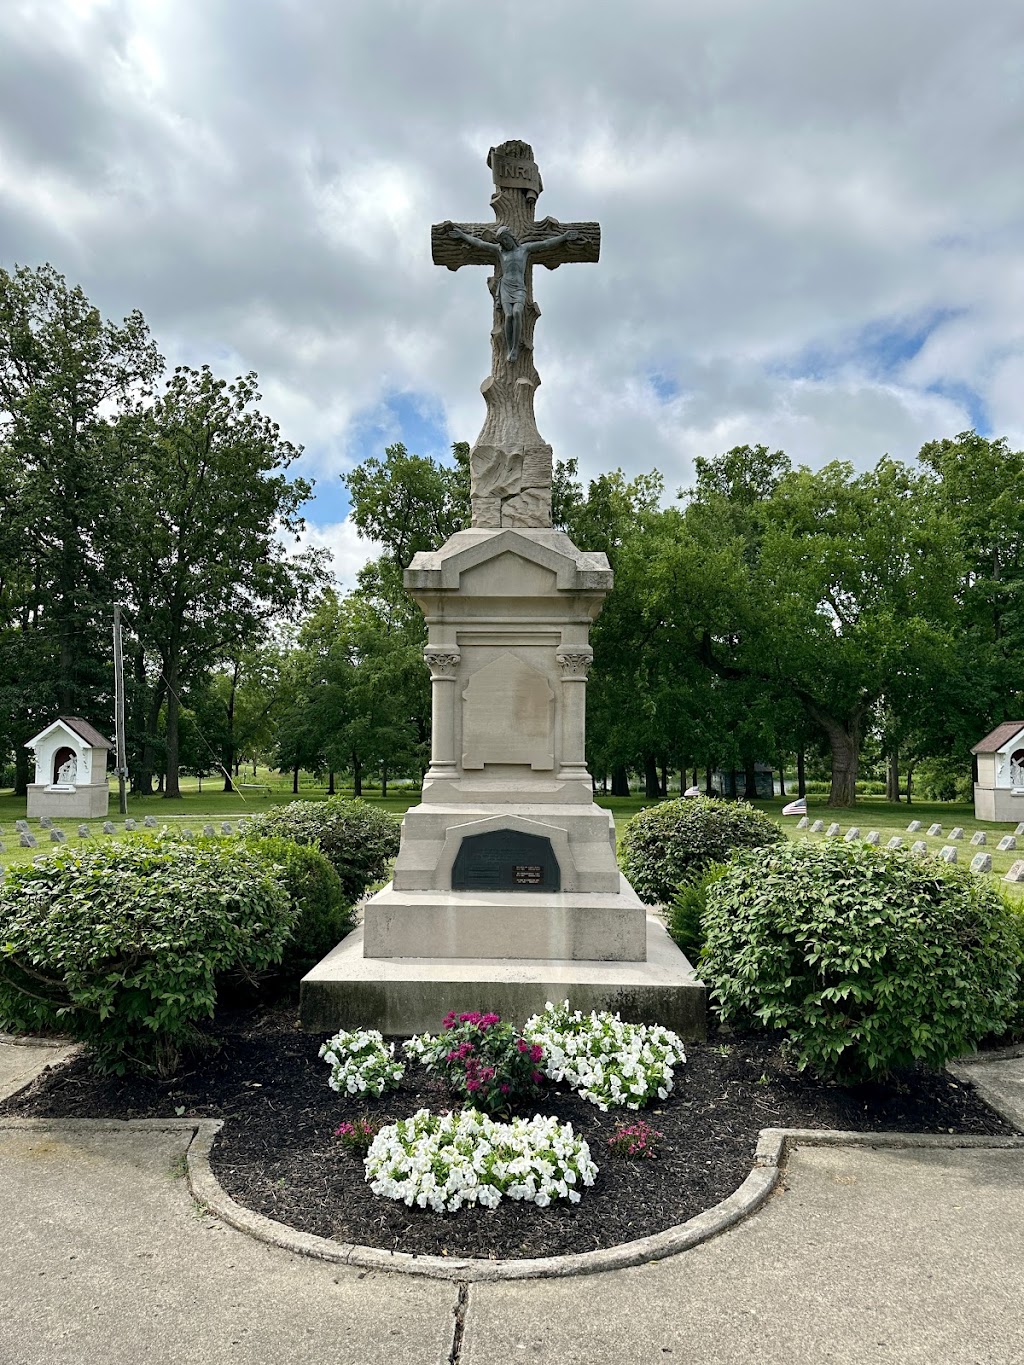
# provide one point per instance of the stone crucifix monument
(506, 890)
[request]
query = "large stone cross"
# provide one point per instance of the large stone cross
(510, 464)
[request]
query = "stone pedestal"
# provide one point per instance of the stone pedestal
(506, 884)
(87, 801)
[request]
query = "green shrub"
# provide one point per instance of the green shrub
(871, 959)
(673, 842)
(356, 839)
(120, 946)
(685, 914)
(322, 914)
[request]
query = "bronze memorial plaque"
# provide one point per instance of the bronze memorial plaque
(506, 860)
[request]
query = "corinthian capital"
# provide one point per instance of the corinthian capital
(442, 662)
(575, 665)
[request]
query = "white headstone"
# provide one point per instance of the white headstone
(57, 836)
(28, 840)
(130, 825)
(84, 832)
(818, 826)
(150, 822)
(803, 823)
(873, 837)
(981, 862)
(914, 826)
(895, 842)
(108, 827)
(45, 822)
(947, 854)
(934, 830)
(1019, 830)
(1016, 872)
(851, 834)
(919, 847)
(225, 827)
(956, 832)
(1006, 843)
(978, 840)
(833, 830)
(209, 831)
(21, 826)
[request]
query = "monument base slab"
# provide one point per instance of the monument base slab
(402, 996)
(84, 801)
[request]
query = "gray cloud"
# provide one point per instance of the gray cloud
(778, 187)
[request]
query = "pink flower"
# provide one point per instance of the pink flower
(504, 1089)
(536, 1052)
(523, 1047)
(486, 1020)
(536, 1077)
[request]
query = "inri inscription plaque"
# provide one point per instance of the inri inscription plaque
(506, 860)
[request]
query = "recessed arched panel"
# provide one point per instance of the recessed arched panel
(506, 860)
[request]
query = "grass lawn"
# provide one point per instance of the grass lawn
(211, 805)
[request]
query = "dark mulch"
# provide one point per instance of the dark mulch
(276, 1153)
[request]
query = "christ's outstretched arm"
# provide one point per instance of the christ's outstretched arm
(470, 240)
(545, 242)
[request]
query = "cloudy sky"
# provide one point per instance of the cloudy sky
(812, 213)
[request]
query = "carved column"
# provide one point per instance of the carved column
(574, 667)
(443, 662)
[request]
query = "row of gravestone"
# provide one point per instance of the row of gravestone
(981, 862)
(27, 839)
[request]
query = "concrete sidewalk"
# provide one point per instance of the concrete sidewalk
(863, 1255)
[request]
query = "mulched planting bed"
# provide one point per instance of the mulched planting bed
(277, 1154)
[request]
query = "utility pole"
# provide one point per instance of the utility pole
(122, 762)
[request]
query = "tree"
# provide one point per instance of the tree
(212, 506)
(64, 372)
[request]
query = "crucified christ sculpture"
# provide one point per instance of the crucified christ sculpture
(514, 257)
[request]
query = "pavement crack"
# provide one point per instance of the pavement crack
(460, 1310)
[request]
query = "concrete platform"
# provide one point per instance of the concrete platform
(569, 925)
(408, 995)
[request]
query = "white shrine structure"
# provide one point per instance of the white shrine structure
(506, 890)
(999, 790)
(71, 770)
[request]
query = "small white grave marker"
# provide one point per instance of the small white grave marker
(873, 837)
(919, 847)
(1016, 872)
(209, 831)
(947, 854)
(45, 822)
(84, 832)
(28, 840)
(981, 862)
(1019, 830)
(57, 836)
(21, 826)
(851, 834)
(818, 826)
(978, 840)
(150, 822)
(226, 827)
(895, 842)
(803, 823)
(934, 830)
(130, 825)
(914, 826)
(108, 827)
(957, 832)
(833, 830)
(1006, 843)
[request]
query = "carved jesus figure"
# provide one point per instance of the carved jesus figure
(514, 257)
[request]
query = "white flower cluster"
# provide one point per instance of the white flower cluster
(360, 1063)
(442, 1161)
(612, 1064)
(420, 1048)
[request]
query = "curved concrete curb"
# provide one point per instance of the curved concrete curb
(206, 1189)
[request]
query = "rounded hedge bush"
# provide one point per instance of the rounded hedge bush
(322, 914)
(674, 841)
(871, 960)
(120, 946)
(357, 839)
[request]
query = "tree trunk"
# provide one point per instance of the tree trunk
(357, 776)
(160, 783)
(801, 774)
(782, 783)
(384, 781)
(171, 790)
(892, 775)
(749, 780)
(21, 771)
(620, 782)
(227, 757)
(709, 789)
(652, 783)
(844, 741)
(910, 781)
(330, 783)
(295, 780)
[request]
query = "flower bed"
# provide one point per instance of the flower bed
(442, 1161)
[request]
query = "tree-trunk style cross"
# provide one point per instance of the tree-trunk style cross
(510, 463)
